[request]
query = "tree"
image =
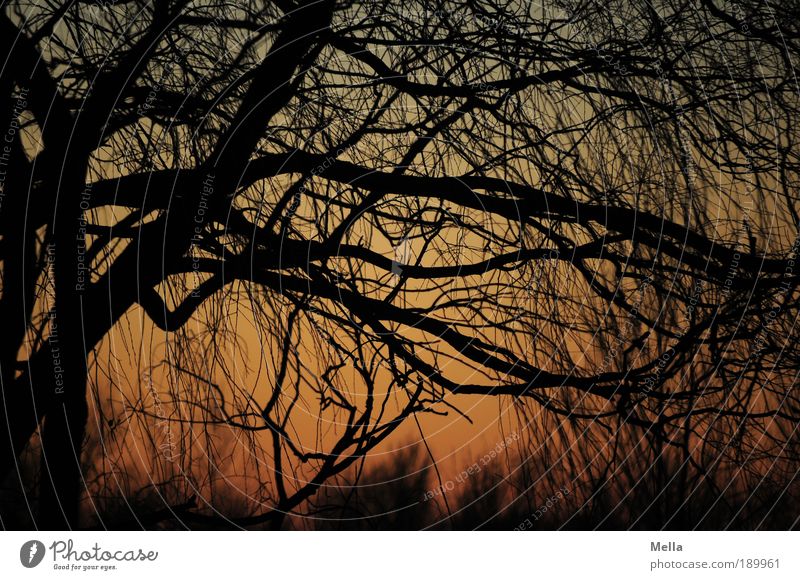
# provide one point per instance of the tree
(375, 210)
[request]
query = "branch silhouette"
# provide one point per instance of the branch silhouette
(335, 215)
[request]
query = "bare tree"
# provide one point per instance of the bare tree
(316, 219)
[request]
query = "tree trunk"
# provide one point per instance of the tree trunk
(61, 480)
